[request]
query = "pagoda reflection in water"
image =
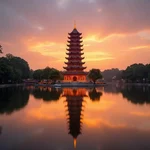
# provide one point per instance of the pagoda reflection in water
(74, 107)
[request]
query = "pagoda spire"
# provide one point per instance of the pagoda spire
(74, 24)
(74, 143)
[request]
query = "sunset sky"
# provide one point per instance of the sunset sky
(116, 33)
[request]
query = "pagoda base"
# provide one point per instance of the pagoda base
(75, 77)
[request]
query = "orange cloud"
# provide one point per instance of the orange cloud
(48, 48)
(44, 111)
(98, 123)
(140, 114)
(140, 47)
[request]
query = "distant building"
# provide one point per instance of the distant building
(74, 69)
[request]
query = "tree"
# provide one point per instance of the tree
(1, 49)
(46, 73)
(136, 94)
(13, 69)
(149, 76)
(94, 74)
(12, 99)
(148, 72)
(55, 75)
(20, 66)
(47, 94)
(37, 74)
(135, 73)
(31, 74)
(6, 70)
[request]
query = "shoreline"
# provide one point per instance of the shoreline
(11, 85)
(54, 85)
(72, 85)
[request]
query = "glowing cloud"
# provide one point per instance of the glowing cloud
(141, 114)
(139, 47)
(97, 56)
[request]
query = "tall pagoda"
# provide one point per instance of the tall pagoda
(74, 107)
(74, 69)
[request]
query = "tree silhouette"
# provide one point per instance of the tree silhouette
(94, 95)
(94, 74)
(47, 94)
(12, 99)
(137, 95)
(13, 69)
(136, 72)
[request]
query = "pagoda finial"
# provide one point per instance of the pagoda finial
(75, 143)
(74, 24)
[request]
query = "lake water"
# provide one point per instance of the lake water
(105, 118)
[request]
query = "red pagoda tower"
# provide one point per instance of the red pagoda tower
(74, 69)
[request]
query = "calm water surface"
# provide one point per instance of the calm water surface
(64, 119)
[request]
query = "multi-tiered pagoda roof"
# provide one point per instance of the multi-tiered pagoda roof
(75, 54)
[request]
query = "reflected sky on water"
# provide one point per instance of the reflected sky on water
(104, 118)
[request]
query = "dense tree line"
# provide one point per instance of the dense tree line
(47, 94)
(134, 73)
(13, 69)
(137, 73)
(48, 74)
(137, 95)
(13, 99)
